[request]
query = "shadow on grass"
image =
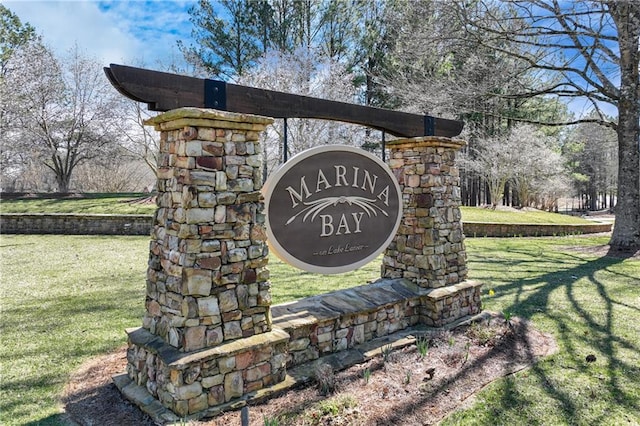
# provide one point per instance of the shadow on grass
(52, 420)
(534, 296)
(592, 306)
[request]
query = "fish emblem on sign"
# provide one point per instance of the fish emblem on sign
(331, 209)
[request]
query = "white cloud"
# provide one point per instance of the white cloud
(112, 31)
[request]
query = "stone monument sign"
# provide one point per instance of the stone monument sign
(210, 340)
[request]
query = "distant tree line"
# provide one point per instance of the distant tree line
(516, 72)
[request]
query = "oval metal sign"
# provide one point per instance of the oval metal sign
(331, 209)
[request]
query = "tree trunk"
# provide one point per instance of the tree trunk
(63, 183)
(626, 232)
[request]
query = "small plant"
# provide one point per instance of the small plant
(386, 353)
(268, 421)
(422, 344)
(481, 334)
(366, 374)
(466, 350)
(407, 377)
(335, 406)
(507, 317)
(451, 341)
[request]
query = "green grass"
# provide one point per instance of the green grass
(128, 203)
(590, 304)
(64, 299)
(288, 283)
(480, 214)
(67, 299)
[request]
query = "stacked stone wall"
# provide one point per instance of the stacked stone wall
(334, 322)
(106, 224)
(447, 304)
(312, 341)
(74, 224)
(191, 384)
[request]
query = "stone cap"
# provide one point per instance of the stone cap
(442, 292)
(181, 360)
(426, 141)
(205, 117)
(329, 306)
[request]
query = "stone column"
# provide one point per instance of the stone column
(429, 246)
(207, 277)
(206, 338)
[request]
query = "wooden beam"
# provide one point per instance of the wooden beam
(165, 91)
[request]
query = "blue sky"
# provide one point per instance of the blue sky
(132, 32)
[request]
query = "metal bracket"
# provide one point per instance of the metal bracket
(215, 94)
(429, 126)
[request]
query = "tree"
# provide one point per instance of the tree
(65, 108)
(304, 72)
(438, 70)
(490, 160)
(14, 35)
(579, 50)
(230, 41)
(524, 158)
(231, 35)
(592, 155)
(537, 167)
(138, 140)
(372, 61)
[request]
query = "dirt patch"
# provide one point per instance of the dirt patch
(419, 384)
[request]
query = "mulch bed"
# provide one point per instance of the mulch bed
(399, 387)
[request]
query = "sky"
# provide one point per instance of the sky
(129, 32)
(140, 33)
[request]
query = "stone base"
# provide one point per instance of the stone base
(202, 383)
(340, 320)
(447, 304)
(194, 382)
(296, 376)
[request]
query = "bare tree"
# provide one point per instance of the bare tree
(524, 158)
(536, 166)
(490, 160)
(137, 139)
(14, 36)
(125, 175)
(584, 50)
(304, 72)
(66, 110)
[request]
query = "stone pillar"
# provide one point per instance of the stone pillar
(206, 338)
(207, 277)
(429, 246)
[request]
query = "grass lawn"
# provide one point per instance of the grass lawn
(128, 204)
(590, 304)
(66, 299)
(89, 203)
(481, 214)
